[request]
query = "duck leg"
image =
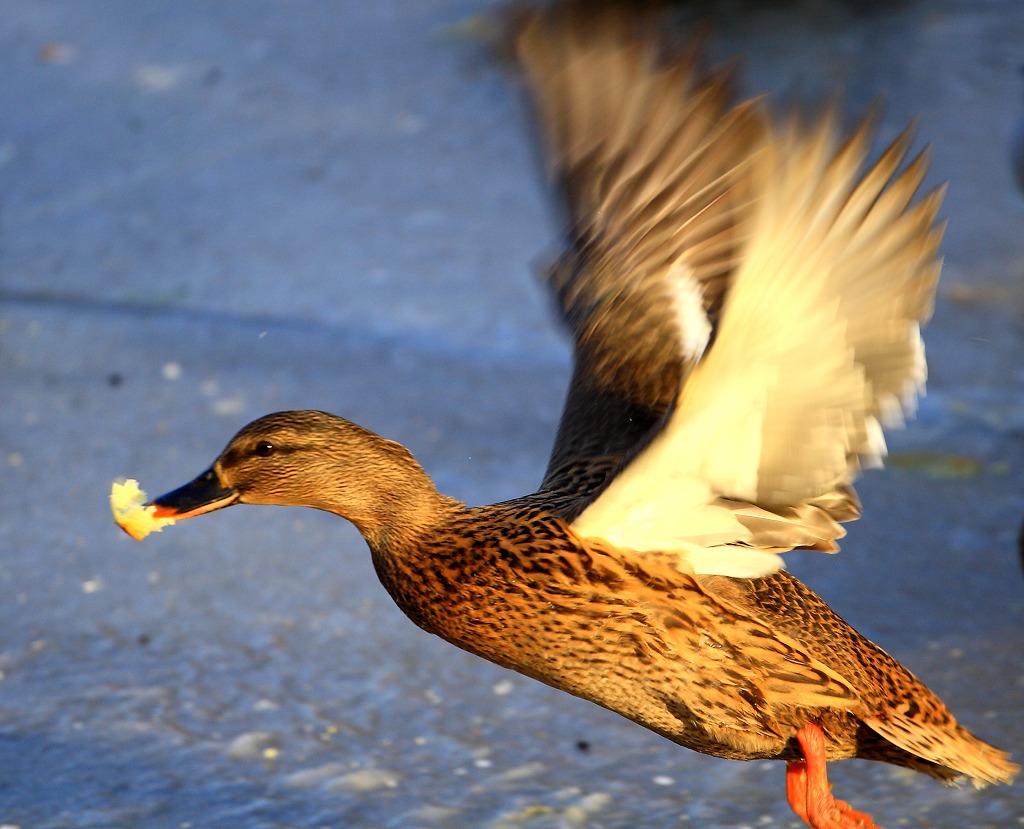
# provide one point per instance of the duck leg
(808, 791)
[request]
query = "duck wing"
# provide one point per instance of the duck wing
(817, 346)
(649, 159)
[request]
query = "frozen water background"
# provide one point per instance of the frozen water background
(211, 211)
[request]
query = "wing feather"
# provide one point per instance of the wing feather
(818, 344)
(649, 156)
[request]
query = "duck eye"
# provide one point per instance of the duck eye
(264, 449)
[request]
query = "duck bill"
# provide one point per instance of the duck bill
(204, 494)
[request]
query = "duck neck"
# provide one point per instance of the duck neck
(396, 502)
(403, 516)
(410, 549)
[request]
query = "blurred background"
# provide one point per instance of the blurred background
(209, 211)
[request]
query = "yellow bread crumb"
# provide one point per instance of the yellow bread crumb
(126, 502)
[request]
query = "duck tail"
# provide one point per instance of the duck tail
(951, 753)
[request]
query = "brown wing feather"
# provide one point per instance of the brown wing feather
(646, 153)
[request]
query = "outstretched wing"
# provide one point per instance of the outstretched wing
(818, 345)
(650, 160)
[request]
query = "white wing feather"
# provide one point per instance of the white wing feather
(818, 340)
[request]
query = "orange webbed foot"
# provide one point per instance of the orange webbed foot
(808, 791)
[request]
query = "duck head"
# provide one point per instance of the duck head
(308, 459)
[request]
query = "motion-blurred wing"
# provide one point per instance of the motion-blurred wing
(818, 345)
(649, 159)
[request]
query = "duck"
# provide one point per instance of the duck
(744, 295)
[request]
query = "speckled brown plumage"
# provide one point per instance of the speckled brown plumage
(661, 178)
(711, 663)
